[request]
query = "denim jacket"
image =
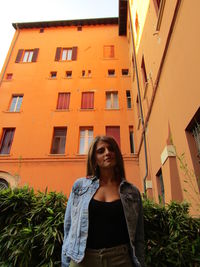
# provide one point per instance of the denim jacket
(76, 220)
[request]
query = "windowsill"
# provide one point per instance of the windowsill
(81, 155)
(7, 111)
(111, 76)
(67, 78)
(86, 77)
(126, 76)
(5, 80)
(57, 155)
(109, 58)
(5, 155)
(61, 110)
(64, 61)
(129, 108)
(49, 78)
(25, 62)
(87, 109)
(110, 109)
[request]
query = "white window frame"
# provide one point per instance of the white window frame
(86, 135)
(112, 100)
(66, 54)
(28, 56)
(15, 107)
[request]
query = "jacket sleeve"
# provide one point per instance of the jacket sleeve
(67, 224)
(139, 236)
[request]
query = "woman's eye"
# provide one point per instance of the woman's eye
(100, 151)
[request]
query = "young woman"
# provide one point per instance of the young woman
(103, 224)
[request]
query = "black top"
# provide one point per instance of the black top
(107, 224)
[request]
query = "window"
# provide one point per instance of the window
(193, 138)
(3, 184)
(111, 72)
(89, 73)
(69, 74)
(128, 98)
(27, 55)
(114, 131)
(41, 30)
(87, 101)
(6, 140)
(108, 51)
(16, 103)
(125, 72)
(160, 187)
(159, 7)
(79, 28)
(86, 137)
(131, 138)
(66, 54)
(9, 76)
(144, 73)
(53, 74)
(112, 100)
(59, 139)
(63, 101)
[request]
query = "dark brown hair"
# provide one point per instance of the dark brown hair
(93, 170)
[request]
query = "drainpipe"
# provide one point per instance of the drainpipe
(140, 103)
(9, 56)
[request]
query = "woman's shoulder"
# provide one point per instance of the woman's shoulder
(82, 182)
(129, 187)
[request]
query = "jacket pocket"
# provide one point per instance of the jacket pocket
(79, 194)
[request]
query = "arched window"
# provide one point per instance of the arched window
(3, 184)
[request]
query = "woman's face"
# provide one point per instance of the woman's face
(105, 155)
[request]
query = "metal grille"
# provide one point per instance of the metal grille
(3, 184)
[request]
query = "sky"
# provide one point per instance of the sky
(13, 11)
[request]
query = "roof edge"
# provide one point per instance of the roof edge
(77, 22)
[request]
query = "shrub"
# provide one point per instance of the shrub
(31, 231)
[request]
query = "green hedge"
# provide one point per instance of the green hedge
(31, 231)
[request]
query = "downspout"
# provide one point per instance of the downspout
(9, 56)
(140, 103)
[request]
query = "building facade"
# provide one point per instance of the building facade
(62, 84)
(134, 77)
(163, 48)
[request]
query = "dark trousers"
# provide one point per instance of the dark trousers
(106, 257)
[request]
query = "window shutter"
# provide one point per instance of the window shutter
(74, 52)
(6, 141)
(35, 54)
(87, 100)
(112, 53)
(114, 131)
(58, 52)
(63, 101)
(19, 55)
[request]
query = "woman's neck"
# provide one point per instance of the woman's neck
(107, 176)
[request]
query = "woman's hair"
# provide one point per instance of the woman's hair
(93, 169)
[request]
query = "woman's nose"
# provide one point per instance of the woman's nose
(107, 151)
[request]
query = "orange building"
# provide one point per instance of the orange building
(163, 43)
(134, 77)
(63, 83)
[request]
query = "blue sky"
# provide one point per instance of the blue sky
(45, 10)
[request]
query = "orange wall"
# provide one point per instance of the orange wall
(30, 156)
